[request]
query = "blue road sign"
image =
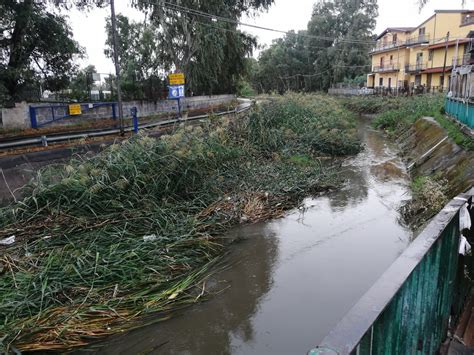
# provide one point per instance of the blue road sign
(176, 91)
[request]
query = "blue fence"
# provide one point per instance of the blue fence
(43, 115)
(462, 110)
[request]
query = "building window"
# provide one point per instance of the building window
(430, 54)
(421, 34)
(389, 83)
(380, 81)
(391, 59)
(418, 80)
(381, 62)
(394, 38)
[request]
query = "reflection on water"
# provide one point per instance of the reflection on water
(294, 278)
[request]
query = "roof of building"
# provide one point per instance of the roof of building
(395, 29)
(437, 70)
(409, 29)
(449, 44)
(452, 11)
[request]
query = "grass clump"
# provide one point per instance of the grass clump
(430, 195)
(136, 229)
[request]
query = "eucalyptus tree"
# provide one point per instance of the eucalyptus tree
(341, 37)
(202, 39)
(139, 58)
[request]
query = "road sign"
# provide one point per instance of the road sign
(75, 109)
(176, 91)
(176, 79)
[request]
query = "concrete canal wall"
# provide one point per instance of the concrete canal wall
(447, 160)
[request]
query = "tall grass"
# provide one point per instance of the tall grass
(136, 229)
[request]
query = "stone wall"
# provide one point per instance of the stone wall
(19, 116)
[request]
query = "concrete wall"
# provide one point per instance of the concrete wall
(19, 116)
(16, 117)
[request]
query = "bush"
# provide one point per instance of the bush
(245, 89)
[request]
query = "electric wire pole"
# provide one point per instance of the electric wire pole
(445, 57)
(117, 66)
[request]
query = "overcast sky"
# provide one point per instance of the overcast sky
(89, 28)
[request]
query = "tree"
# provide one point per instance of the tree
(36, 44)
(139, 58)
(286, 65)
(81, 83)
(211, 52)
(342, 36)
(334, 48)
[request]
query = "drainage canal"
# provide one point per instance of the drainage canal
(293, 279)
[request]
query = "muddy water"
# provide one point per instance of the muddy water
(294, 278)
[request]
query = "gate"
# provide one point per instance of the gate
(43, 115)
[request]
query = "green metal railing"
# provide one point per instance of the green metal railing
(462, 110)
(408, 310)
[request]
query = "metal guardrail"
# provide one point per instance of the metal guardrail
(409, 42)
(466, 59)
(385, 68)
(424, 38)
(415, 67)
(407, 311)
(467, 20)
(383, 47)
(44, 140)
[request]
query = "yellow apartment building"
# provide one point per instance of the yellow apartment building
(408, 57)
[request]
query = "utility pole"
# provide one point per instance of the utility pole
(445, 57)
(117, 66)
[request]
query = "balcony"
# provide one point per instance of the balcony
(424, 38)
(385, 68)
(385, 46)
(466, 59)
(467, 19)
(415, 68)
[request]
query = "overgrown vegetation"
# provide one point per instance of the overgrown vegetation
(372, 105)
(135, 230)
(396, 120)
(429, 197)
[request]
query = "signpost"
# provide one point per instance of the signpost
(176, 79)
(176, 88)
(75, 109)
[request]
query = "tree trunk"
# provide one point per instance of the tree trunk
(18, 49)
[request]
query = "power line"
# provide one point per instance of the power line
(180, 8)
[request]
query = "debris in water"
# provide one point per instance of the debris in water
(8, 241)
(150, 238)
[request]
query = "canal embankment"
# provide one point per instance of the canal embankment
(439, 154)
